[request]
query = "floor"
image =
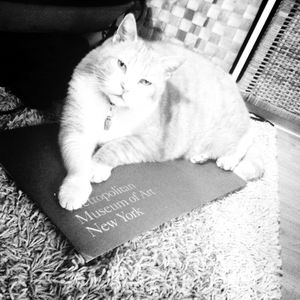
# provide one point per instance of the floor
(289, 195)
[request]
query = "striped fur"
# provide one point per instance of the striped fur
(166, 102)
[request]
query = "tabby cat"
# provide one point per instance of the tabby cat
(131, 101)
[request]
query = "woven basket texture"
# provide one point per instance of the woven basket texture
(216, 28)
(272, 79)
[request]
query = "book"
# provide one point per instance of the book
(135, 199)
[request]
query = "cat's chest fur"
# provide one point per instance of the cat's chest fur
(95, 111)
(115, 123)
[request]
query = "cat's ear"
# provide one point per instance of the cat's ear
(127, 30)
(171, 63)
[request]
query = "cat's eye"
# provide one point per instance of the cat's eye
(145, 82)
(122, 65)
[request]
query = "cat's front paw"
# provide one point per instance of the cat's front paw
(74, 192)
(227, 163)
(100, 172)
(199, 158)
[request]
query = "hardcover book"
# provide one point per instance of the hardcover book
(135, 199)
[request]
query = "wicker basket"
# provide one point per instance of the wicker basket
(271, 82)
(214, 27)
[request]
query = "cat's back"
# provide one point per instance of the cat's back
(196, 69)
(198, 77)
(202, 86)
(191, 60)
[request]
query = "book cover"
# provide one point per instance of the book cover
(136, 198)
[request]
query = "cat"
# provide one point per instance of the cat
(132, 100)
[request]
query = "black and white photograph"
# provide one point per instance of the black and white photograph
(149, 149)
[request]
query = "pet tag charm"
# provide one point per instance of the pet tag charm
(108, 119)
(107, 123)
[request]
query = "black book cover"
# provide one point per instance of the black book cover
(136, 198)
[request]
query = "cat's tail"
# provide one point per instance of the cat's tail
(251, 167)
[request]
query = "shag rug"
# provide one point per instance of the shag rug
(228, 249)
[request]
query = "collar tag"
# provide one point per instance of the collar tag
(108, 119)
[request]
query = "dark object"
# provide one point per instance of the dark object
(43, 41)
(37, 67)
(135, 199)
(60, 16)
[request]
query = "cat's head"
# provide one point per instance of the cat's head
(129, 71)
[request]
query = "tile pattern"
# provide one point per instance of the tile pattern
(215, 27)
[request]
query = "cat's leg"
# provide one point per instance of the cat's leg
(200, 158)
(100, 171)
(230, 160)
(198, 153)
(128, 150)
(77, 152)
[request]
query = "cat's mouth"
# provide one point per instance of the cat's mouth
(117, 100)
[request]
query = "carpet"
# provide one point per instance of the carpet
(227, 250)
